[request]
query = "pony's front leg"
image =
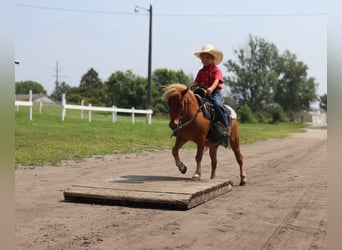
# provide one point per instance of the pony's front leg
(199, 155)
(175, 152)
(213, 157)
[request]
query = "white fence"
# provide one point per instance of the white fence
(28, 103)
(114, 110)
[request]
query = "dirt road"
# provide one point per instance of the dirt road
(283, 205)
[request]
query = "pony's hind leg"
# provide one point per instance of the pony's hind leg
(234, 141)
(239, 159)
(175, 152)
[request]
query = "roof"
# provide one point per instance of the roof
(43, 99)
(35, 98)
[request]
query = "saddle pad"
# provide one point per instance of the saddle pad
(233, 114)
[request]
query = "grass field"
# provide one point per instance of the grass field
(49, 140)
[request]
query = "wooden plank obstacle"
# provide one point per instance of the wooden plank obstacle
(149, 191)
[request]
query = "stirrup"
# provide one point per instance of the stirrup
(225, 140)
(229, 131)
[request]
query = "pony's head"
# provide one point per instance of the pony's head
(174, 96)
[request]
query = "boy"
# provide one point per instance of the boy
(210, 77)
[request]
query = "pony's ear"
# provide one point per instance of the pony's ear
(184, 91)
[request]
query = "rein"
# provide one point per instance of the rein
(181, 124)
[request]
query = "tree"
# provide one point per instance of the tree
(294, 90)
(126, 90)
(163, 77)
(262, 79)
(253, 77)
(24, 87)
(59, 90)
(74, 95)
(91, 89)
(323, 102)
(91, 80)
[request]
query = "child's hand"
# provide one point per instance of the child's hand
(209, 91)
(193, 86)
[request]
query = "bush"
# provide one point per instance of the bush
(245, 114)
(160, 108)
(277, 113)
(74, 98)
(263, 117)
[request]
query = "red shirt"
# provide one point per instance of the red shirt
(208, 74)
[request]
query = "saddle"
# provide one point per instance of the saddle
(206, 106)
(217, 129)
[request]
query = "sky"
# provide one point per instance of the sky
(108, 36)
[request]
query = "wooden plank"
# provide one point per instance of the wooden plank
(149, 191)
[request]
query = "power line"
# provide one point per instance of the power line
(75, 10)
(170, 14)
(246, 15)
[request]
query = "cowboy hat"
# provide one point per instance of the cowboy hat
(210, 49)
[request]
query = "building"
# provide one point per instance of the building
(35, 98)
(315, 116)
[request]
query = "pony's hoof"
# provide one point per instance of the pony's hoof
(243, 182)
(183, 169)
(196, 177)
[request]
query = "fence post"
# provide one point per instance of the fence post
(132, 115)
(82, 104)
(114, 118)
(149, 116)
(40, 107)
(89, 113)
(30, 100)
(63, 106)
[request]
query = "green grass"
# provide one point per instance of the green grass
(49, 140)
(250, 133)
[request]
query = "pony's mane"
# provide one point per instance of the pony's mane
(172, 90)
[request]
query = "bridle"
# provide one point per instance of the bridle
(182, 124)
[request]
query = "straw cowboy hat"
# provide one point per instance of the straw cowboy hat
(210, 49)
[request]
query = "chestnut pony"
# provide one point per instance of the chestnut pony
(189, 124)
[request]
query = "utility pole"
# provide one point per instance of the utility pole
(149, 76)
(149, 73)
(57, 75)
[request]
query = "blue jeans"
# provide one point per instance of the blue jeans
(216, 100)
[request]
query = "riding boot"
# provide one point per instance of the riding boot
(227, 134)
(230, 127)
(225, 139)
